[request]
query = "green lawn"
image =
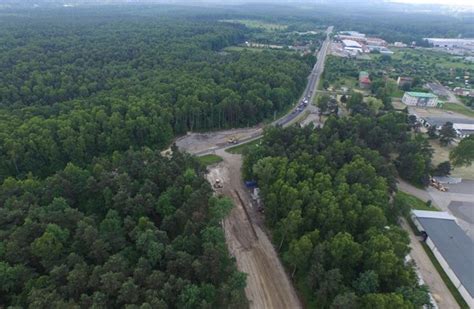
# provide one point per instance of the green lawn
(413, 202)
(242, 48)
(209, 159)
(458, 108)
(251, 23)
(429, 56)
(239, 149)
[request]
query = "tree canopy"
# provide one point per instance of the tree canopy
(327, 202)
(463, 154)
(74, 89)
(138, 230)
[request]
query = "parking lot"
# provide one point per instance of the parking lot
(459, 201)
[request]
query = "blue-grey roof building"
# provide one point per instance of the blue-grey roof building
(453, 249)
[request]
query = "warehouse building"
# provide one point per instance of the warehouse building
(452, 248)
(463, 126)
(351, 45)
(421, 99)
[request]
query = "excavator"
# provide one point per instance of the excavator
(233, 140)
(218, 184)
(437, 185)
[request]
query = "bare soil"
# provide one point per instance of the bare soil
(268, 285)
(196, 143)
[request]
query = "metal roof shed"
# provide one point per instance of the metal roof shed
(452, 248)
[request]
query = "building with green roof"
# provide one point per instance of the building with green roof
(421, 99)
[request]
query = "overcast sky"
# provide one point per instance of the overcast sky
(447, 2)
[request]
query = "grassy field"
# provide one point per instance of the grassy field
(239, 149)
(458, 108)
(257, 49)
(441, 154)
(413, 202)
(432, 57)
(251, 23)
(243, 48)
(346, 81)
(209, 159)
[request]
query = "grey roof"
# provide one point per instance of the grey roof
(455, 247)
(440, 121)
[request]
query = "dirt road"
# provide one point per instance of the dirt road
(268, 285)
(430, 275)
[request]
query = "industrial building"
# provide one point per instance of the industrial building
(464, 92)
(355, 43)
(463, 126)
(463, 129)
(352, 46)
(452, 43)
(353, 34)
(420, 99)
(451, 246)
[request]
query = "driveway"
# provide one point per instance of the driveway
(458, 201)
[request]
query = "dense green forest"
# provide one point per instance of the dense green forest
(78, 88)
(137, 229)
(326, 195)
(89, 215)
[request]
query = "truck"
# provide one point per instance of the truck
(218, 184)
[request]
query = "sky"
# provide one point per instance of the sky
(446, 2)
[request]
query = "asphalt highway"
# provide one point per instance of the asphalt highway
(313, 81)
(286, 120)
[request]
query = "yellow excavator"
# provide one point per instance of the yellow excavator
(233, 140)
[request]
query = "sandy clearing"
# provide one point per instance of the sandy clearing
(268, 285)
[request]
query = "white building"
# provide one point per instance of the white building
(421, 99)
(463, 126)
(452, 248)
(353, 33)
(399, 44)
(463, 129)
(351, 45)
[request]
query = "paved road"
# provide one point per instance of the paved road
(313, 81)
(440, 90)
(201, 144)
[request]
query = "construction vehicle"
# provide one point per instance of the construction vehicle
(233, 140)
(218, 184)
(437, 185)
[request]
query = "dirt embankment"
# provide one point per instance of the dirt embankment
(268, 285)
